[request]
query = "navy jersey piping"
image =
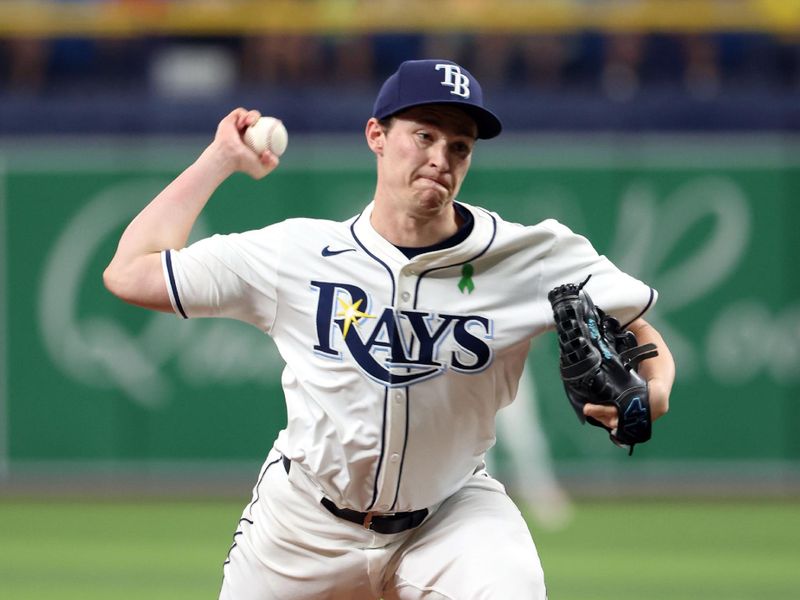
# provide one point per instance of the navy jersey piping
(405, 445)
(478, 255)
(258, 485)
(386, 390)
(234, 544)
(371, 255)
(249, 508)
(416, 297)
(172, 285)
(644, 310)
(405, 437)
(383, 446)
(454, 240)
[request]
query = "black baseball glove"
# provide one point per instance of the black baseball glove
(599, 361)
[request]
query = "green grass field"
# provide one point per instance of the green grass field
(637, 550)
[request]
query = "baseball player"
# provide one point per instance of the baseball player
(404, 330)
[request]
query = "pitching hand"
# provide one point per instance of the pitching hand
(229, 147)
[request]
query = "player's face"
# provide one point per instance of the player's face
(426, 155)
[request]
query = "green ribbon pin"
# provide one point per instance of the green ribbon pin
(466, 279)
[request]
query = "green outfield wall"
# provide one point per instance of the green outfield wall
(710, 222)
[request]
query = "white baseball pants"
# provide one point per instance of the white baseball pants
(474, 546)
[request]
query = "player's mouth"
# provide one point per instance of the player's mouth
(443, 184)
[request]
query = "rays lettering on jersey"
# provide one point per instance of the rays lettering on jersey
(398, 347)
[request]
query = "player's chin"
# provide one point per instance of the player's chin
(433, 200)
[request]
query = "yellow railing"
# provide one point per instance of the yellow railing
(122, 18)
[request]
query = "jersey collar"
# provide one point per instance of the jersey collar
(473, 246)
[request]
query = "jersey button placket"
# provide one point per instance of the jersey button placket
(405, 286)
(395, 440)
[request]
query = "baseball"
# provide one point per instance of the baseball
(268, 133)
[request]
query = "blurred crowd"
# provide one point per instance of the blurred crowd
(617, 65)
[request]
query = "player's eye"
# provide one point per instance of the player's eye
(462, 149)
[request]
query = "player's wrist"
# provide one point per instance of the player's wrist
(658, 392)
(217, 163)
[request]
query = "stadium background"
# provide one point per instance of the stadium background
(665, 131)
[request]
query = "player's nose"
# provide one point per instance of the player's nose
(439, 156)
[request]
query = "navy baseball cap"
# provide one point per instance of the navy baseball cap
(419, 82)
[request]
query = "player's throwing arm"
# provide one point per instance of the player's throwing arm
(135, 272)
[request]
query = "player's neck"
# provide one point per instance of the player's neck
(411, 229)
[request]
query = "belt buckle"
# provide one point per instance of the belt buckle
(370, 515)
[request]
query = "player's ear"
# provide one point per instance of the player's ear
(376, 135)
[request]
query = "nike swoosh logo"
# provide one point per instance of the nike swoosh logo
(326, 251)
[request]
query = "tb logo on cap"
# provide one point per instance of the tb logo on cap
(454, 78)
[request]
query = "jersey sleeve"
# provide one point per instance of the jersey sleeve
(572, 259)
(234, 276)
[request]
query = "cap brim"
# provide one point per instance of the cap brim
(488, 124)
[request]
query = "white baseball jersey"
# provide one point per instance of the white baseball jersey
(395, 367)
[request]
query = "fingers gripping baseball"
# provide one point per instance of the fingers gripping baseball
(229, 143)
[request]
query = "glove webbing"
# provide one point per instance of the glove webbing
(633, 356)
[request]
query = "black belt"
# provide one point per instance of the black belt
(377, 522)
